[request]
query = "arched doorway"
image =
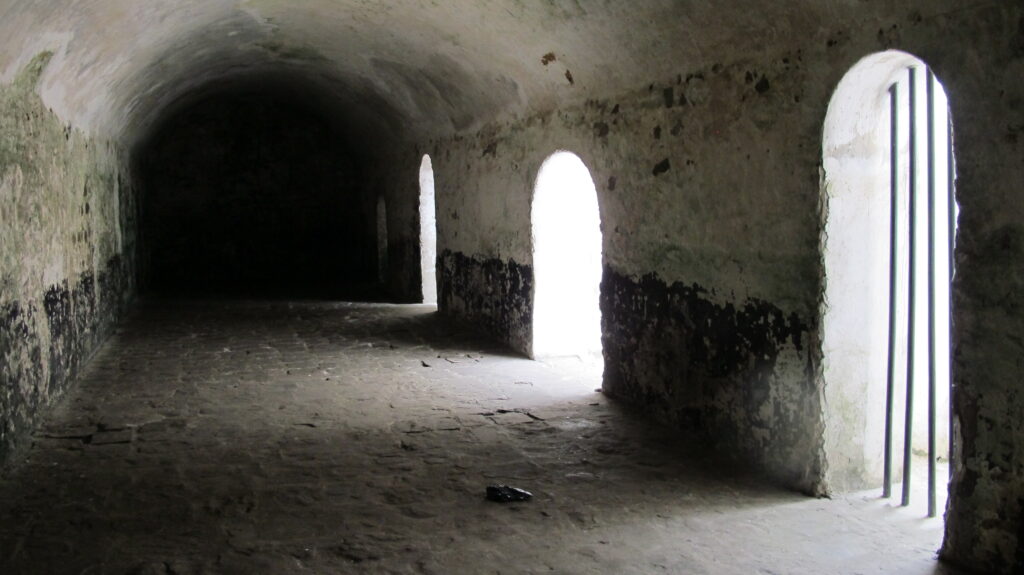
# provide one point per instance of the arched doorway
(566, 260)
(428, 232)
(890, 222)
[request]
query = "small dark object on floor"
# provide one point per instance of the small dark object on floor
(507, 494)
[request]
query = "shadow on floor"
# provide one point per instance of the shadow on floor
(298, 437)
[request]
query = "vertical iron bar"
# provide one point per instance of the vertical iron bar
(932, 356)
(908, 419)
(951, 209)
(894, 156)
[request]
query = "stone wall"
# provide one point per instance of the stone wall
(395, 177)
(712, 213)
(66, 264)
(710, 249)
(982, 64)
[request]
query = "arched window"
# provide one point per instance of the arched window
(566, 260)
(888, 241)
(428, 232)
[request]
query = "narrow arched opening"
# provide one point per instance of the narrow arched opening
(566, 260)
(888, 242)
(428, 232)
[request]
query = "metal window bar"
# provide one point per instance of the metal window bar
(932, 356)
(908, 419)
(951, 215)
(894, 184)
(931, 221)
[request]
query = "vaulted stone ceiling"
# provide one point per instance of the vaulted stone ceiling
(726, 213)
(398, 66)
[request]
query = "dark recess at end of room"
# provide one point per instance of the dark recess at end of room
(251, 193)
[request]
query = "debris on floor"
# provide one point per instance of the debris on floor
(507, 494)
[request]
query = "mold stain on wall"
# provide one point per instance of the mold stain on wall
(713, 370)
(65, 235)
(494, 294)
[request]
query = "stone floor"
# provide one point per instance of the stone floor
(272, 437)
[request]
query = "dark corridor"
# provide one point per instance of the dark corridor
(252, 193)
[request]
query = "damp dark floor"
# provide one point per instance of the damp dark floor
(274, 437)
